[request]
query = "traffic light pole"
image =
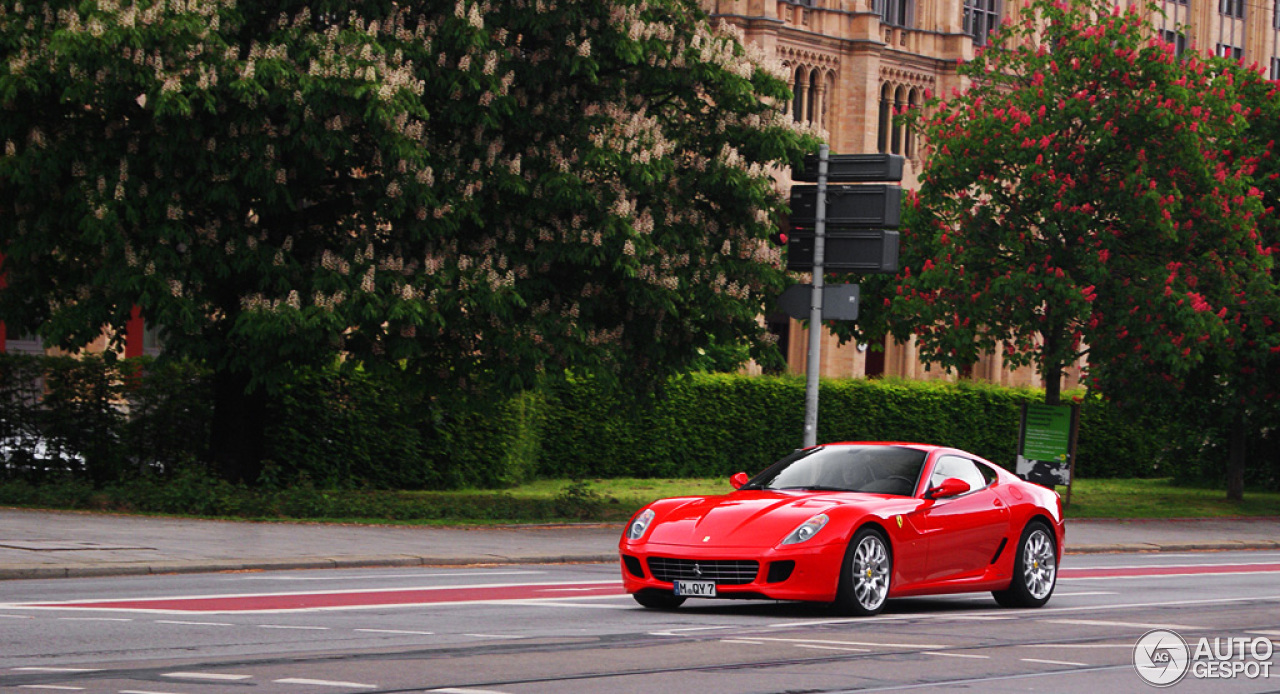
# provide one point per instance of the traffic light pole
(815, 306)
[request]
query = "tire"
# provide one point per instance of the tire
(865, 575)
(1035, 569)
(658, 600)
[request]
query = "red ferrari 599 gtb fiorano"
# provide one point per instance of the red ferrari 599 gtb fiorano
(852, 524)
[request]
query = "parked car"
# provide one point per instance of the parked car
(852, 524)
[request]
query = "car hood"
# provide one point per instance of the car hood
(747, 519)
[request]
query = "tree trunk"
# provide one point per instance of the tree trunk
(238, 432)
(1236, 458)
(1051, 365)
(1053, 384)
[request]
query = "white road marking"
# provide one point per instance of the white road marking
(381, 577)
(195, 624)
(957, 655)
(396, 631)
(289, 626)
(94, 619)
(1127, 646)
(1053, 662)
(1109, 607)
(325, 683)
(1126, 625)
(852, 643)
(205, 676)
(833, 648)
(683, 630)
(1167, 566)
(743, 642)
(51, 686)
(16, 616)
(563, 602)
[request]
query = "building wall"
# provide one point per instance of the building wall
(850, 67)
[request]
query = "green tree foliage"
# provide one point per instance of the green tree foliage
(471, 192)
(1080, 199)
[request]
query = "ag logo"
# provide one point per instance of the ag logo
(1161, 657)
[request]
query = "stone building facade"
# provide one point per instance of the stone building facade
(853, 62)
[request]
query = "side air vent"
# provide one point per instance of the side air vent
(1003, 542)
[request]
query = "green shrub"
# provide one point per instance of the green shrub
(712, 425)
(339, 429)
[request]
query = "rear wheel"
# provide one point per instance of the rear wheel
(1035, 569)
(658, 600)
(865, 576)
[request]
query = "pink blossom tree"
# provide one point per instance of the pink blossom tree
(1080, 199)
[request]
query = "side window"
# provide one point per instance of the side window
(959, 468)
(988, 474)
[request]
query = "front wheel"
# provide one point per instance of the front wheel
(865, 576)
(658, 600)
(1035, 569)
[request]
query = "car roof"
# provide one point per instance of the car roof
(926, 447)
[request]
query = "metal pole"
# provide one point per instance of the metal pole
(815, 306)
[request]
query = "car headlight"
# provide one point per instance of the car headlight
(640, 524)
(807, 529)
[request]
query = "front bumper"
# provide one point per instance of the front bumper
(796, 572)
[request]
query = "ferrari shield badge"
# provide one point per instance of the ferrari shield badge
(899, 521)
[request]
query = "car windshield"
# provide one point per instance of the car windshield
(874, 469)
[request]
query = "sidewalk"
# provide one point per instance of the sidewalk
(59, 544)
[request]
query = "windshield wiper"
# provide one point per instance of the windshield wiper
(814, 488)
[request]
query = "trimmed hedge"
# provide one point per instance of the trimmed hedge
(99, 422)
(90, 419)
(707, 425)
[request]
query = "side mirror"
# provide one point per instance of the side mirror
(738, 480)
(950, 487)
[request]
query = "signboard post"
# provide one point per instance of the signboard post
(1047, 444)
(840, 229)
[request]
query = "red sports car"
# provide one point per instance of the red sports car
(852, 524)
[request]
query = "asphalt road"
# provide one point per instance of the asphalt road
(521, 629)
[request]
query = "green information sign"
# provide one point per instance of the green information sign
(1048, 433)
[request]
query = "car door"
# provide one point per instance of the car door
(965, 530)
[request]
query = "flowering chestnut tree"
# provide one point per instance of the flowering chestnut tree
(1079, 199)
(1233, 394)
(471, 191)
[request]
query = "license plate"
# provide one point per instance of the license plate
(696, 589)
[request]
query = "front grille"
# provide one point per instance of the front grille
(723, 572)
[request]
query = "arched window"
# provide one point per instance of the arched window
(913, 99)
(886, 119)
(811, 108)
(899, 100)
(799, 88)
